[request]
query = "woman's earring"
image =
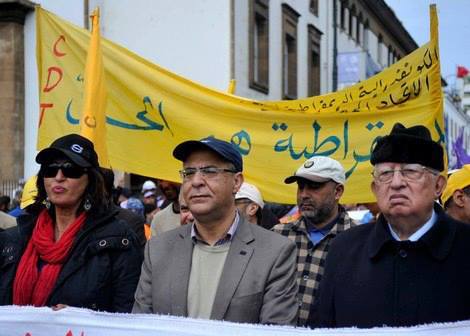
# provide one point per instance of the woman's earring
(87, 204)
(47, 203)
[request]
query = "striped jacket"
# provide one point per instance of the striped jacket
(311, 258)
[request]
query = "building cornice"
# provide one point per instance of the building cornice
(391, 23)
(15, 10)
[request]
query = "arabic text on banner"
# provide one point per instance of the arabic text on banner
(150, 110)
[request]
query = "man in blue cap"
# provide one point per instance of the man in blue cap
(220, 267)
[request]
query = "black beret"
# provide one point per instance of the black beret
(409, 145)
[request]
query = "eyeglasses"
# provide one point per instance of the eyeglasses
(408, 172)
(206, 172)
(68, 169)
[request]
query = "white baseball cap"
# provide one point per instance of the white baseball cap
(251, 192)
(149, 194)
(319, 169)
(148, 185)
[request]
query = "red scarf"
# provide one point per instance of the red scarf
(33, 287)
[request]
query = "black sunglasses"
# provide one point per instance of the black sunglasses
(68, 169)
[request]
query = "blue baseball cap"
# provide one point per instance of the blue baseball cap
(135, 205)
(223, 148)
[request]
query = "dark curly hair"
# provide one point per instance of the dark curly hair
(95, 192)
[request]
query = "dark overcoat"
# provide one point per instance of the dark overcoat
(373, 280)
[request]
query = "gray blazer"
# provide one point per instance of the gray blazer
(258, 282)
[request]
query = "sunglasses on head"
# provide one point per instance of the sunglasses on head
(68, 170)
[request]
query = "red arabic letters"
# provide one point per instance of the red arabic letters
(54, 76)
(56, 50)
(69, 333)
(55, 79)
(44, 106)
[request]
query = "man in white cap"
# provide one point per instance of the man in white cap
(149, 193)
(250, 203)
(320, 185)
(149, 186)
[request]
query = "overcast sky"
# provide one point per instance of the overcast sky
(454, 29)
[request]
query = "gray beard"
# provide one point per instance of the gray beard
(318, 216)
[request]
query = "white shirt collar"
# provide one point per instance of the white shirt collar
(421, 232)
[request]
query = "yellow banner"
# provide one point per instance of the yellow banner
(150, 110)
(93, 121)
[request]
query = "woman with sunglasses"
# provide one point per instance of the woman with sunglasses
(70, 250)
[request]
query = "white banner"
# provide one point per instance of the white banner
(29, 321)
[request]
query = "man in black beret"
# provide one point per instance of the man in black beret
(410, 267)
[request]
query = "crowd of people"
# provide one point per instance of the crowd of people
(209, 247)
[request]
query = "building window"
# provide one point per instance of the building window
(314, 7)
(390, 55)
(259, 45)
(289, 58)
(358, 28)
(379, 49)
(365, 36)
(314, 37)
(342, 18)
(352, 15)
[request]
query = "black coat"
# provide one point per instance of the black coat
(102, 270)
(372, 280)
(135, 222)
